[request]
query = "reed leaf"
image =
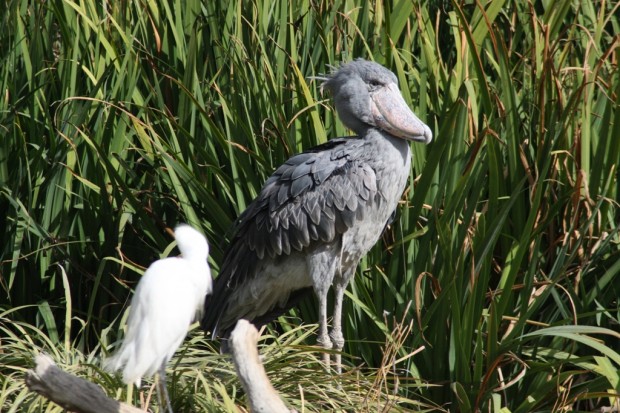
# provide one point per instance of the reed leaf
(120, 120)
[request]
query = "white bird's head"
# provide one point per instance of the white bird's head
(192, 244)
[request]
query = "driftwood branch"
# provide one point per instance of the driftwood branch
(71, 392)
(261, 394)
(78, 395)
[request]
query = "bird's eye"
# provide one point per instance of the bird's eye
(373, 85)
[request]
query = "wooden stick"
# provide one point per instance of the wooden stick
(261, 394)
(80, 396)
(71, 392)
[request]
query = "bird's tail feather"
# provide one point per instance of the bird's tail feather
(123, 360)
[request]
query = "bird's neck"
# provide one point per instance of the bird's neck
(390, 158)
(382, 141)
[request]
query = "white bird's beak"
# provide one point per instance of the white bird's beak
(391, 113)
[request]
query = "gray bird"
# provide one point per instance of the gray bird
(321, 211)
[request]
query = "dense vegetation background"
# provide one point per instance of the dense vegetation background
(495, 289)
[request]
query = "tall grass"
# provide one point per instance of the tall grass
(120, 119)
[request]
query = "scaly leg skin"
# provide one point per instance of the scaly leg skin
(340, 285)
(336, 334)
(323, 339)
(162, 390)
(322, 268)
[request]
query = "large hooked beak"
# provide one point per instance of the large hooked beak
(391, 113)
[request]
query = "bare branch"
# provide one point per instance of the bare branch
(80, 396)
(71, 392)
(261, 394)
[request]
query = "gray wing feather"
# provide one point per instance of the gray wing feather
(314, 196)
(319, 194)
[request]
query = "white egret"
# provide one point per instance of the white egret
(167, 300)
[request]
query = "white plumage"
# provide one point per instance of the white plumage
(169, 297)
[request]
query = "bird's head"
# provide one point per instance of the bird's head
(191, 243)
(366, 94)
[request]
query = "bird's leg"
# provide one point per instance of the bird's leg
(162, 390)
(336, 334)
(337, 338)
(322, 268)
(323, 339)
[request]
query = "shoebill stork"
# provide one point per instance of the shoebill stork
(321, 211)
